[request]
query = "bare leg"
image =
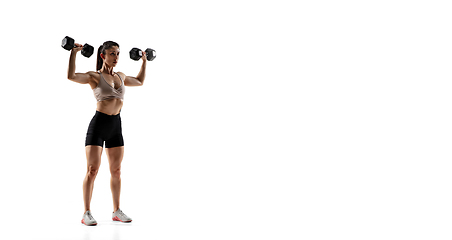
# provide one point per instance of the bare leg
(115, 156)
(93, 155)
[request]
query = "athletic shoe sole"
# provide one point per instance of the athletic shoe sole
(117, 219)
(83, 221)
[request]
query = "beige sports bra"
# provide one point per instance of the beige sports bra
(105, 91)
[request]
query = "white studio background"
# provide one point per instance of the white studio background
(257, 120)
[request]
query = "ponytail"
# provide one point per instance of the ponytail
(101, 49)
(100, 61)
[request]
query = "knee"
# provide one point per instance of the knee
(92, 170)
(115, 173)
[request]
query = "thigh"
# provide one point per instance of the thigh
(96, 131)
(115, 138)
(93, 155)
(115, 155)
(94, 139)
(115, 141)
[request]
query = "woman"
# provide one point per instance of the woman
(108, 87)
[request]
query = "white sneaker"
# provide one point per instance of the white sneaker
(88, 219)
(120, 216)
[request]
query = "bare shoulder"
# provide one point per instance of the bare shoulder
(94, 79)
(93, 74)
(83, 78)
(122, 75)
(129, 81)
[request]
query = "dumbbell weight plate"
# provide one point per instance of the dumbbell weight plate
(67, 43)
(135, 54)
(150, 54)
(87, 50)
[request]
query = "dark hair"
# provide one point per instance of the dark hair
(102, 48)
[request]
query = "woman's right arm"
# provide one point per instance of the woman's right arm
(82, 78)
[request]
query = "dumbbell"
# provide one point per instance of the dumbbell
(68, 44)
(136, 54)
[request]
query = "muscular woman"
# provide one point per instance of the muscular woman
(109, 88)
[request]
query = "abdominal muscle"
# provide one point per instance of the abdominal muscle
(110, 107)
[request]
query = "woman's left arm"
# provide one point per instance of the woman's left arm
(139, 79)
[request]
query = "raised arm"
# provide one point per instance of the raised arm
(82, 78)
(139, 79)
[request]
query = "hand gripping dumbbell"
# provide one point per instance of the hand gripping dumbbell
(136, 54)
(68, 44)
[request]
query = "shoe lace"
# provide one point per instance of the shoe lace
(89, 216)
(121, 213)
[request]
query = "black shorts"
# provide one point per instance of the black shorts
(106, 128)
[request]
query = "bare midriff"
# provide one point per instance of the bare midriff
(110, 107)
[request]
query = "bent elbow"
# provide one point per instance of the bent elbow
(71, 77)
(139, 82)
